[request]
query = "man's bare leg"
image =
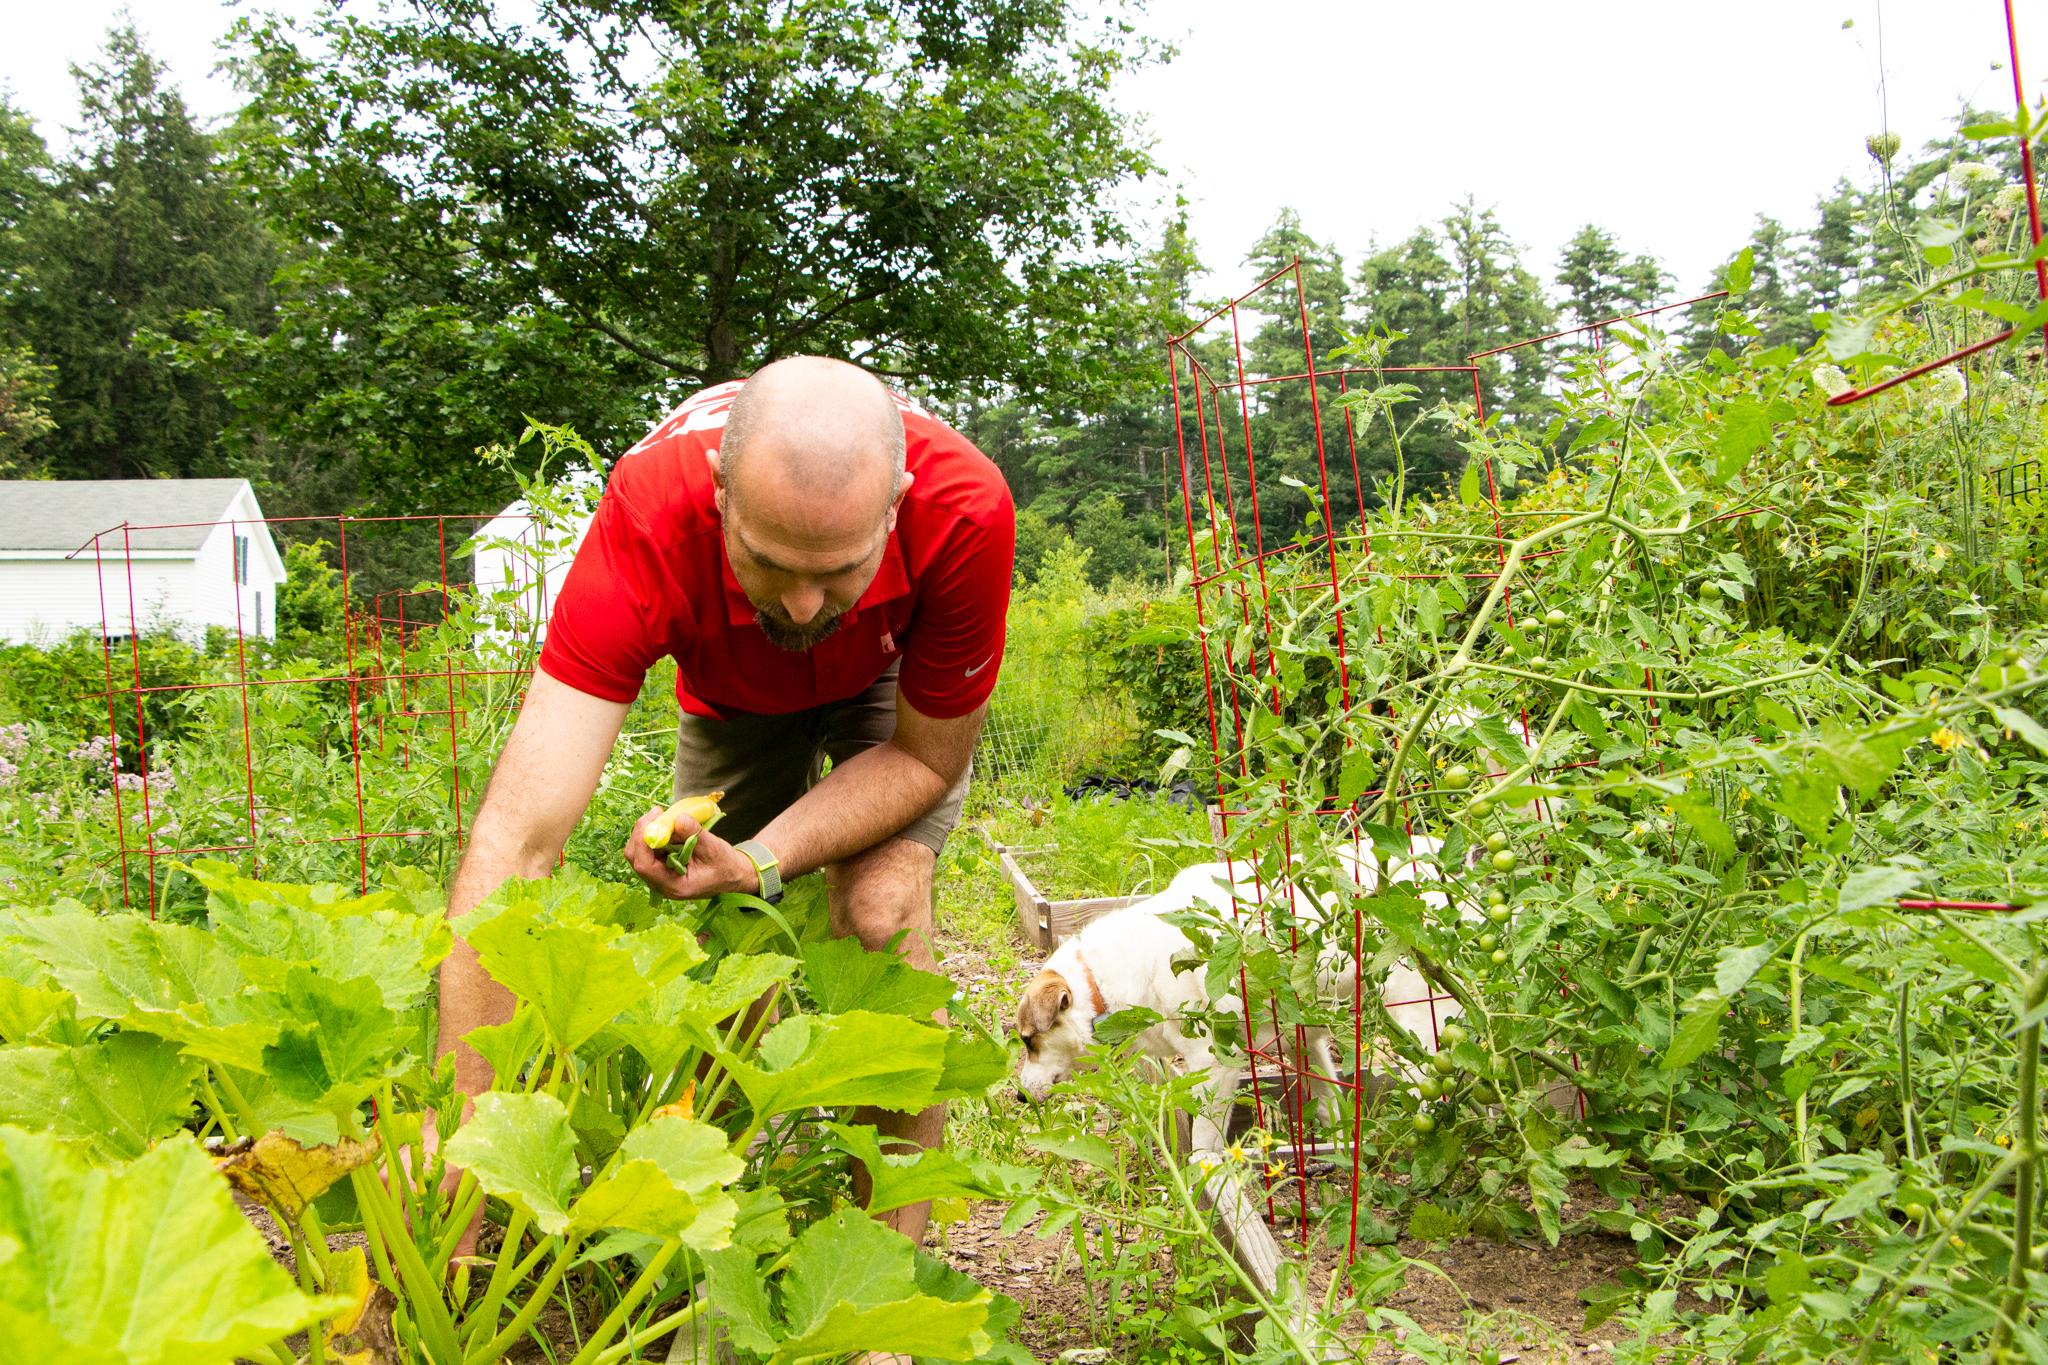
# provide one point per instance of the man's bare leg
(876, 896)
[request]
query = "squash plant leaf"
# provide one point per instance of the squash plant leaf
(520, 1148)
(118, 1095)
(855, 1058)
(687, 1012)
(396, 951)
(144, 1264)
(572, 973)
(941, 1281)
(842, 975)
(852, 1286)
(170, 980)
(285, 1175)
(670, 1183)
(340, 1039)
(509, 1046)
(973, 1064)
(900, 1180)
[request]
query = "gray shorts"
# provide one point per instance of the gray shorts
(764, 763)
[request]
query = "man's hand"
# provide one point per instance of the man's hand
(715, 866)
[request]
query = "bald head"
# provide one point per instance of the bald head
(808, 429)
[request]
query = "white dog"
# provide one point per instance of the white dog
(1126, 959)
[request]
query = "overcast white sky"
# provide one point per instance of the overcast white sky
(1672, 124)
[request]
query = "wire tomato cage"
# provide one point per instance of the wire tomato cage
(359, 747)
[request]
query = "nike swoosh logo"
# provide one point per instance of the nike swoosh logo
(978, 667)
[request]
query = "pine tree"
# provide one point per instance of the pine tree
(1600, 281)
(141, 229)
(1497, 301)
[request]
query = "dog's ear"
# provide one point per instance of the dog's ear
(1045, 999)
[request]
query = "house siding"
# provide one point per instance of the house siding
(44, 597)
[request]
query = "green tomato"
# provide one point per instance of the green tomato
(1456, 778)
(1422, 1123)
(1916, 1212)
(1450, 1035)
(1482, 808)
(1500, 957)
(1539, 661)
(1555, 617)
(1441, 1063)
(1496, 841)
(1496, 897)
(1497, 913)
(1489, 942)
(1504, 861)
(1431, 1088)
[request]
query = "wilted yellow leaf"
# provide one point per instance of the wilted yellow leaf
(283, 1176)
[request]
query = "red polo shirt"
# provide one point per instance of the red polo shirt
(651, 579)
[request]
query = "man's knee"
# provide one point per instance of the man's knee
(883, 893)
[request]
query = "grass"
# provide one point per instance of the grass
(1102, 846)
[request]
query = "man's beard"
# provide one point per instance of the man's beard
(796, 638)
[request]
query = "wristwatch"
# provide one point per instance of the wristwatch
(765, 867)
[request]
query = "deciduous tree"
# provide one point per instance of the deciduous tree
(576, 208)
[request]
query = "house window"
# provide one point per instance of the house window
(259, 611)
(241, 559)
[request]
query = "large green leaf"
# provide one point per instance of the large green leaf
(857, 1058)
(739, 1295)
(144, 1264)
(852, 1286)
(33, 1007)
(35, 1013)
(669, 1183)
(340, 1039)
(973, 1063)
(509, 1046)
(573, 973)
(842, 975)
(685, 1013)
(520, 1148)
(119, 1094)
(171, 980)
(663, 951)
(913, 1178)
(272, 928)
(941, 1281)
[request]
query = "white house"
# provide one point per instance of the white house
(135, 554)
(521, 558)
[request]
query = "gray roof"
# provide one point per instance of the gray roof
(63, 514)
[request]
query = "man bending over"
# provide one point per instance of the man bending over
(830, 567)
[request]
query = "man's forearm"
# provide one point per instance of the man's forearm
(469, 998)
(860, 803)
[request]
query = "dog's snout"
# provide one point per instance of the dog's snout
(1023, 1095)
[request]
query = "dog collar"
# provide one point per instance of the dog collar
(1095, 1000)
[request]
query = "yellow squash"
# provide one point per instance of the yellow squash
(703, 809)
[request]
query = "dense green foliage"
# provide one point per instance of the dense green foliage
(105, 252)
(1758, 675)
(275, 1020)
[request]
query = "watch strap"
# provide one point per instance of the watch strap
(766, 867)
